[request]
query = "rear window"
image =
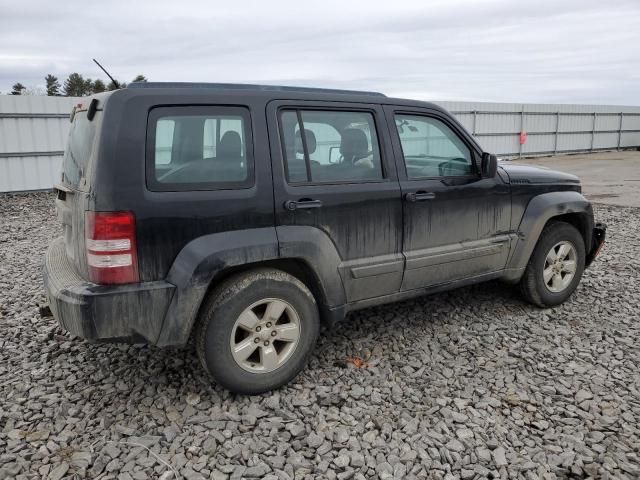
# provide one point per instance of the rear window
(199, 148)
(330, 146)
(76, 158)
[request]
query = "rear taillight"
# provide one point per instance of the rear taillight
(111, 247)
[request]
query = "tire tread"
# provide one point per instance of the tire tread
(529, 282)
(230, 288)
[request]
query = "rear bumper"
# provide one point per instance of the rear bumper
(132, 313)
(597, 242)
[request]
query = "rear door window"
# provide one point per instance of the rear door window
(330, 146)
(199, 148)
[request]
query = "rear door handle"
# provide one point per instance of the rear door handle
(419, 196)
(301, 204)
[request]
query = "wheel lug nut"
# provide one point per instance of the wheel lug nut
(274, 333)
(257, 340)
(268, 324)
(258, 329)
(266, 343)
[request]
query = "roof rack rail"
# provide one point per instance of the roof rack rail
(247, 86)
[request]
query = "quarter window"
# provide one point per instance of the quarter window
(330, 146)
(199, 148)
(431, 149)
(164, 141)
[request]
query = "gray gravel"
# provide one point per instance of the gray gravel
(468, 384)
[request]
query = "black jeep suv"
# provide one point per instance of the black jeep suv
(247, 215)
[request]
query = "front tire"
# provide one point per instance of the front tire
(555, 267)
(257, 330)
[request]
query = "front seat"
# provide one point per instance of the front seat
(230, 146)
(353, 145)
(310, 137)
(296, 166)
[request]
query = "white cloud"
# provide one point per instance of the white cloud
(570, 52)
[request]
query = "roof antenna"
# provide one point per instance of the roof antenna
(115, 82)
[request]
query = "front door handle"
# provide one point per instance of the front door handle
(301, 204)
(419, 196)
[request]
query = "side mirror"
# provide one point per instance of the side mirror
(489, 165)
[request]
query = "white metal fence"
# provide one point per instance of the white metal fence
(33, 132)
(549, 129)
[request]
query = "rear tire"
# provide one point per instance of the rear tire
(257, 330)
(555, 267)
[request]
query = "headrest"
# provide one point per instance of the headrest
(310, 137)
(230, 145)
(354, 144)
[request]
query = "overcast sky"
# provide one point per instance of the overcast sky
(569, 51)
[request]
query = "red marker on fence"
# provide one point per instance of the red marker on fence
(523, 137)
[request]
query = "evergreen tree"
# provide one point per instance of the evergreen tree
(18, 89)
(88, 86)
(112, 86)
(140, 78)
(53, 86)
(76, 86)
(99, 86)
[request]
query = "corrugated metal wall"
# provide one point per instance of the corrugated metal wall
(550, 128)
(33, 132)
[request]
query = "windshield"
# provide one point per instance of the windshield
(79, 147)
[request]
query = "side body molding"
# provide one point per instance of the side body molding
(199, 262)
(540, 209)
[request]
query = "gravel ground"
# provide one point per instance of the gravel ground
(468, 384)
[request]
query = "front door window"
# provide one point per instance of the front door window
(431, 149)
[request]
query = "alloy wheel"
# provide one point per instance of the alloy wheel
(560, 266)
(265, 335)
